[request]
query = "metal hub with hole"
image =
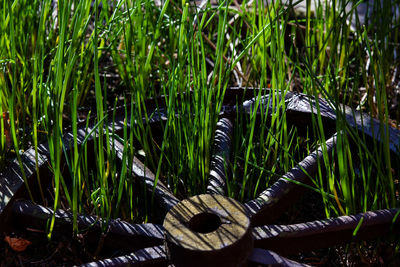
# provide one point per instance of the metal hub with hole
(212, 229)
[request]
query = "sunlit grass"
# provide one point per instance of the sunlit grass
(56, 62)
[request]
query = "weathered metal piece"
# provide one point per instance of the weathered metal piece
(11, 180)
(119, 234)
(261, 257)
(290, 239)
(220, 159)
(213, 230)
(165, 199)
(147, 257)
(208, 230)
(303, 104)
(271, 203)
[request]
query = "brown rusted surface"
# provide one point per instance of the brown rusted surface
(220, 158)
(151, 257)
(208, 230)
(272, 202)
(290, 239)
(120, 234)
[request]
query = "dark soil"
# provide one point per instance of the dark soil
(61, 251)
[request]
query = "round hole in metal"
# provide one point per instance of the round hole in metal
(205, 222)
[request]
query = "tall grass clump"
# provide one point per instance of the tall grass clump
(56, 59)
(338, 62)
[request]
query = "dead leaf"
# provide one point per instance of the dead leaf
(17, 244)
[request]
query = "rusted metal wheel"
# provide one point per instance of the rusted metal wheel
(212, 229)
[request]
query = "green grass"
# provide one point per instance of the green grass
(55, 60)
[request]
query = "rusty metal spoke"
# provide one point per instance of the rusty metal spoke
(262, 257)
(290, 239)
(153, 256)
(209, 229)
(146, 177)
(220, 158)
(275, 200)
(120, 234)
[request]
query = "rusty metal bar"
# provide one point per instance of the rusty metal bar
(262, 257)
(220, 158)
(298, 103)
(290, 239)
(146, 177)
(153, 256)
(119, 235)
(272, 202)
